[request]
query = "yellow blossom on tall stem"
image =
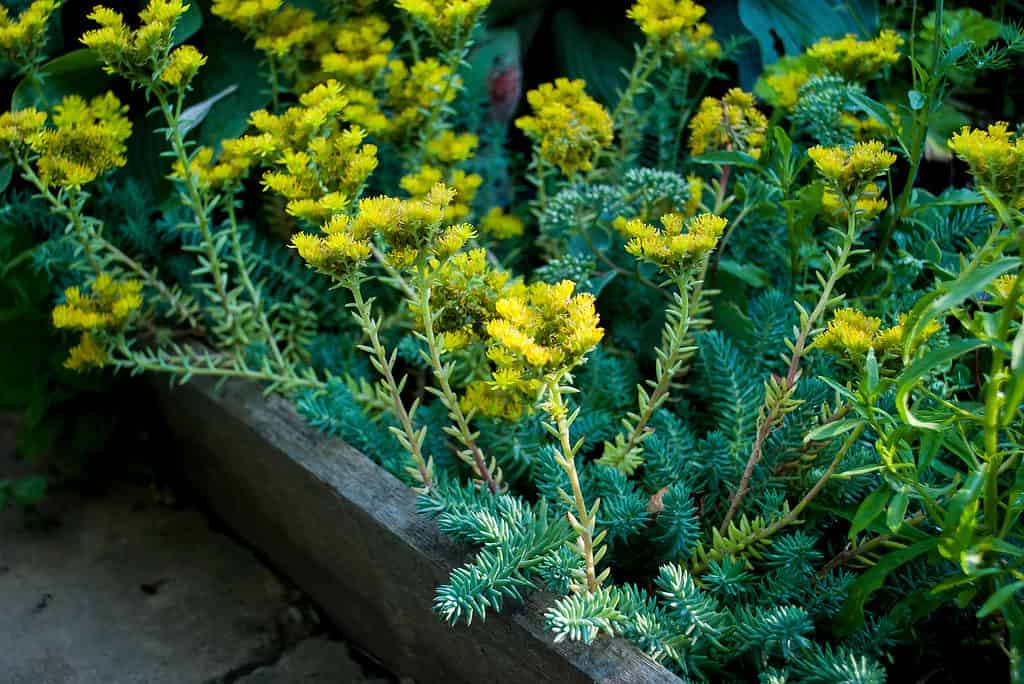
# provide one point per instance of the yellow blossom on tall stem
(855, 59)
(730, 123)
(23, 40)
(848, 171)
(568, 126)
(673, 249)
(995, 158)
(446, 21)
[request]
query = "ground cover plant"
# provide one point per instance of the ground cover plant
(720, 368)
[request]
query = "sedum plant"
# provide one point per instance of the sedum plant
(725, 376)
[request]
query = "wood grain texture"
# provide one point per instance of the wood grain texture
(347, 533)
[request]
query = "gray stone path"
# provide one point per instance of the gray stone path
(126, 589)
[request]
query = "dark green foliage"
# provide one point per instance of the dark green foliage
(732, 388)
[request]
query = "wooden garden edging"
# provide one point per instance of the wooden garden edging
(348, 534)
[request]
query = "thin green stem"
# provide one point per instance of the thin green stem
(442, 373)
(584, 522)
(411, 438)
(778, 403)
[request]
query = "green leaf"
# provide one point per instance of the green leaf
(933, 360)
(6, 172)
(999, 597)
(961, 519)
(724, 157)
(28, 491)
(916, 99)
(829, 431)
(194, 115)
(897, 510)
(749, 273)
(851, 616)
(796, 23)
(78, 72)
(869, 510)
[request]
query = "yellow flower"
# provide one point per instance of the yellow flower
(446, 20)
(849, 171)
(411, 93)
(869, 204)
(247, 14)
(500, 225)
(783, 81)
(670, 248)
(663, 19)
(361, 50)
(108, 305)
(731, 123)
(545, 331)
(464, 292)
(1002, 286)
(340, 251)
(569, 126)
(995, 158)
(449, 147)
(487, 399)
(857, 60)
(88, 140)
(126, 51)
(463, 184)
(17, 128)
(289, 31)
(183, 65)
(88, 353)
(852, 333)
(22, 41)
(318, 166)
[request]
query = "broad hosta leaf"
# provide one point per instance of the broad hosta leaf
(799, 23)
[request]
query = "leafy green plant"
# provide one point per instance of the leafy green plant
(719, 369)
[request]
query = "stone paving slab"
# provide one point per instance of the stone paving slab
(125, 589)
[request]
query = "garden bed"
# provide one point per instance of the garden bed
(347, 532)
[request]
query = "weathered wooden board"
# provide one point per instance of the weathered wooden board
(347, 532)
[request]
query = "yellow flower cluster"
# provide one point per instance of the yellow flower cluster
(482, 397)
(450, 147)
(182, 66)
(142, 52)
(341, 250)
(291, 31)
(679, 246)
(996, 160)
(249, 15)
(237, 157)
(852, 334)
(677, 25)
(322, 166)
(868, 205)
(108, 306)
(731, 123)
(361, 50)
(464, 184)
(413, 229)
(16, 128)
(569, 126)
(465, 289)
(784, 82)
(22, 40)
(662, 19)
(542, 333)
(857, 60)
(1002, 286)
(500, 225)
(446, 20)
(87, 138)
(411, 93)
(848, 171)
